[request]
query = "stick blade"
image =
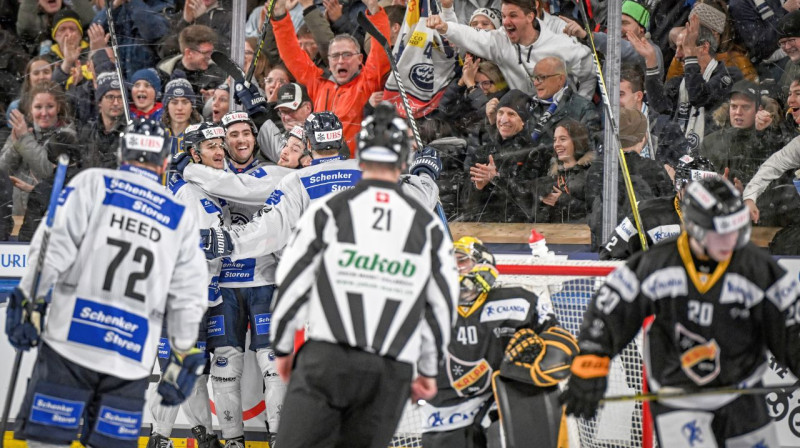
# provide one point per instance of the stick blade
(230, 67)
(370, 28)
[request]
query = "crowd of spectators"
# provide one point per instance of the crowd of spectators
(519, 127)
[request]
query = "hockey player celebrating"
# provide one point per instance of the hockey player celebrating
(270, 230)
(123, 254)
(661, 217)
(488, 316)
(719, 303)
(205, 143)
(372, 271)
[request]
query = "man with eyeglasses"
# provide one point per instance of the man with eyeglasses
(350, 81)
(197, 42)
(555, 100)
(102, 133)
(789, 42)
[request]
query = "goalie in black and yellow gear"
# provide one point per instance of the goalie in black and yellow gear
(464, 412)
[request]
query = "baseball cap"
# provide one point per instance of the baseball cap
(292, 95)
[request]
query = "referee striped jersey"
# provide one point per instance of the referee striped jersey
(372, 269)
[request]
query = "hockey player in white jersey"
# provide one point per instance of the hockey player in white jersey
(247, 283)
(123, 254)
(205, 143)
(270, 230)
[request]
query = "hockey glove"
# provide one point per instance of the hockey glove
(250, 97)
(24, 320)
(586, 386)
(179, 376)
(179, 162)
(427, 162)
(215, 242)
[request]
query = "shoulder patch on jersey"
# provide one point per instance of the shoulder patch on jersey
(142, 200)
(258, 173)
(626, 229)
(738, 289)
(661, 233)
(784, 292)
(108, 328)
(508, 309)
(667, 282)
(62, 198)
(209, 206)
(274, 197)
(624, 281)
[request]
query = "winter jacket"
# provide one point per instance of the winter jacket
(516, 62)
(741, 150)
(218, 18)
(139, 25)
(347, 24)
(38, 201)
(571, 205)
(759, 26)
(199, 79)
(346, 100)
(628, 54)
(733, 58)
(464, 109)
(569, 105)
(6, 202)
(454, 183)
(101, 146)
(508, 197)
(667, 138)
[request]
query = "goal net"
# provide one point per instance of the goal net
(569, 286)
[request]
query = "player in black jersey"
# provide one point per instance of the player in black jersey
(487, 318)
(661, 217)
(719, 303)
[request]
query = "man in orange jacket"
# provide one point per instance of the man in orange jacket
(348, 83)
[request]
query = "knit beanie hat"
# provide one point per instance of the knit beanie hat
(150, 75)
(637, 12)
(63, 16)
(105, 81)
(632, 127)
(789, 25)
(517, 101)
(710, 16)
(492, 14)
(178, 87)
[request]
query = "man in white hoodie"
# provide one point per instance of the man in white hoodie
(519, 45)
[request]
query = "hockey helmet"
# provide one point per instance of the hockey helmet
(692, 168)
(144, 140)
(324, 131)
(476, 264)
(713, 204)
(383, 138)
(232, 118)
(197, 133)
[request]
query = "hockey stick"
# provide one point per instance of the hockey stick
(228, 66)
(252, 69)
(117, 64)
(364, 22)
(609, 113)
(58, 183)
(781, 388)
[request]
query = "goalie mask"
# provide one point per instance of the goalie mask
(476, 268)
(712, 207)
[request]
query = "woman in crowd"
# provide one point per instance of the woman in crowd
(276, 77)
(559, 196)
(464, 101)
(24, 154)
(38, 70)
(262, 65)
(179, 102)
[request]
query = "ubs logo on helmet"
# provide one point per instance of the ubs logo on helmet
(422, 76)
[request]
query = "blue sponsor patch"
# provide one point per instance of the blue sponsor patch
(119, 424)
(221, 361)
(108, 328)
(144, 201)
(54, 411)
(209, 206)
(163, 348)
(216, 326)
(213, 289)
(237, 270)
(321, 183)
(201, 345)
(259, 173)
(274, 197)
(62, 198)
(262, 323)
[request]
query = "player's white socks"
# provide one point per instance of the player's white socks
(275, 389)
(196, 407)
(163, 416)
(226, 379)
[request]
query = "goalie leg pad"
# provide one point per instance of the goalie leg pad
(530, 417)
(274, 387)
(226, 376)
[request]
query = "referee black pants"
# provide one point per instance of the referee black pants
(339, 396)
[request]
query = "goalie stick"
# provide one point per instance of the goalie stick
(364, 22)
(656, 396)
(58, 183)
